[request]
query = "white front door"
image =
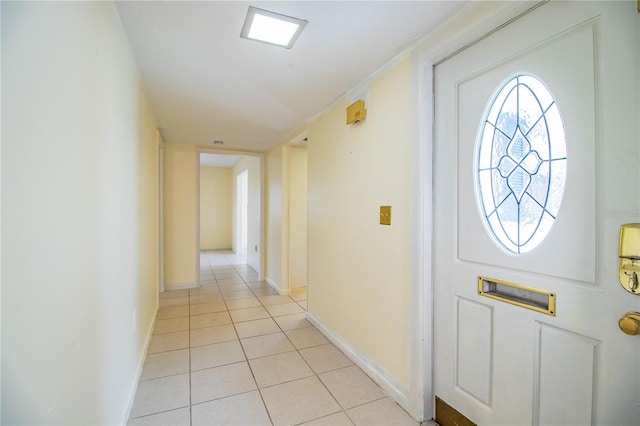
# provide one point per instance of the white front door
(497, 362)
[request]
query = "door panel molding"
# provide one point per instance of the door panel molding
(564, 371)
(474, 335)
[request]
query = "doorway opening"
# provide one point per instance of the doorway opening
(230, 208)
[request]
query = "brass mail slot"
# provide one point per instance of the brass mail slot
(515, 294)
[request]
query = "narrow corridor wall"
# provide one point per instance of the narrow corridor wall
(80, 215)
(180, 179)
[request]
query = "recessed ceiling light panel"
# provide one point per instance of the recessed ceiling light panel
(272, 28)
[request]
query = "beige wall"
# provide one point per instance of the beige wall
(254, 208)
(297, 232)
(274, 217)
(215, 208)
(180, 174)
(80, 215)
(359, 271)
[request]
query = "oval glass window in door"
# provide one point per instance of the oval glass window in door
(521, 164)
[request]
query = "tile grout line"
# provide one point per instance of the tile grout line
(254, 292)
(190, 364)
(190, 368)
(264, 404)
(233, 323)
(297, 350)
(342, 409)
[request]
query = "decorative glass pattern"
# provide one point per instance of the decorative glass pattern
(521, 164)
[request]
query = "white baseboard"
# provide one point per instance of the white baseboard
(277, 288)
(143, 355)
(388, 382)
(272, 284)
(179, 286)
(216, 249)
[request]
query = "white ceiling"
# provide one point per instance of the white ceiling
(205, 83)
(219, 160)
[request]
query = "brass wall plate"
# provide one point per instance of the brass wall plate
(385, 215)
(356, 112)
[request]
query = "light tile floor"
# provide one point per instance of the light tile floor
(234, 352)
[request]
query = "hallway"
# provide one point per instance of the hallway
(235, 352)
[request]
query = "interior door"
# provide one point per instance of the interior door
(495, 361)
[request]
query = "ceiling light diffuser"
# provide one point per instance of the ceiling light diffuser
(272, 28)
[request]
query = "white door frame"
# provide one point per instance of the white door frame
(242, 188)
(285, 282)
(263, 178)
(473, 23)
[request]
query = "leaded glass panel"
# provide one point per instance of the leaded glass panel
(521, 158)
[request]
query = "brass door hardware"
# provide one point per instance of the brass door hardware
(526, 297)
(629, 253)
(630, 323)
